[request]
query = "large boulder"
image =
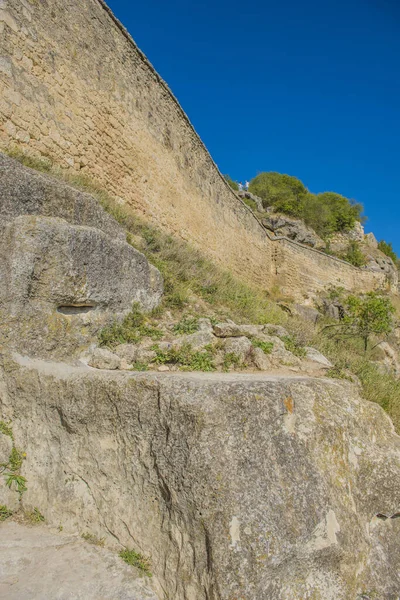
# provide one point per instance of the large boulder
(237, 486)
(59, 278)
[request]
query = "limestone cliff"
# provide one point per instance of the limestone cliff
(75, 89)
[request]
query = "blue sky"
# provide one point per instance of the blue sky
(308, 88)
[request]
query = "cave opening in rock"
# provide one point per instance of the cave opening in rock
(75, 309)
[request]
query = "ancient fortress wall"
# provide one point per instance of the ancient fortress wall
(74, 87)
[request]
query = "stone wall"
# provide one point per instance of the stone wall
(74, 87)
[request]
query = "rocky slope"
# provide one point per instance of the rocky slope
(251, 486)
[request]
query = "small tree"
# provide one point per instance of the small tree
(354, 255)
(367, 315)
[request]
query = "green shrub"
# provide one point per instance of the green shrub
(326, 213)
(186, 357)
(130, 331)
(284, 192)
(388, 250)
(266, 347)
(354, 255)
(187, 326)
(365, 316)
(294, 347)
(231, 359)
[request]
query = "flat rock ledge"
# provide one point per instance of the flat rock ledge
(237, 486)
(36, 564)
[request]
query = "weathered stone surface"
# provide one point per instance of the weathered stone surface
(294, 229)
(5, 448)
(46, 261)
(25, 191)
(390, 358)
(205, 325)
(260, 359)
(60, 283)
(316, 356)
(36, 564)
(254, 198)
(241, 346)
(127, 352)
(230, 329)
(102, 358)
(238, 486)
(279, 355)
(307, 312)
(275, 330)
(370, 240)
(196, 340)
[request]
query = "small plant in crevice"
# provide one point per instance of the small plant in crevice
(5, 512)
(294, 347)
(187, 358)
(16, 482)
(130, 330)
(5, 429)
(135, 559)
(11, 469)
(93, 539)
(231, 359)
(187, 326)
(139, 366)
(266, 347)
(34, 517)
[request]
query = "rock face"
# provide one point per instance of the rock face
(48, 264)
(250, 487)
(294, 229)
(62, 279)
(38, 565)
(24, 191)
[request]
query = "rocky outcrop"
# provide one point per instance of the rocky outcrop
(65, 266)
(256, 199)
(294, 229)
(24, 191)
(237, 486)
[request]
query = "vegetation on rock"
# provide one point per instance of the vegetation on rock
(387, 249)
(135, 559)
(354, 254)
(190, 278)
(326, 213)
(371, 314)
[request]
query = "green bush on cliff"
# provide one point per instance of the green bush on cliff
(365, 316)
(354, 255)
(326, 213)
(388, 250)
